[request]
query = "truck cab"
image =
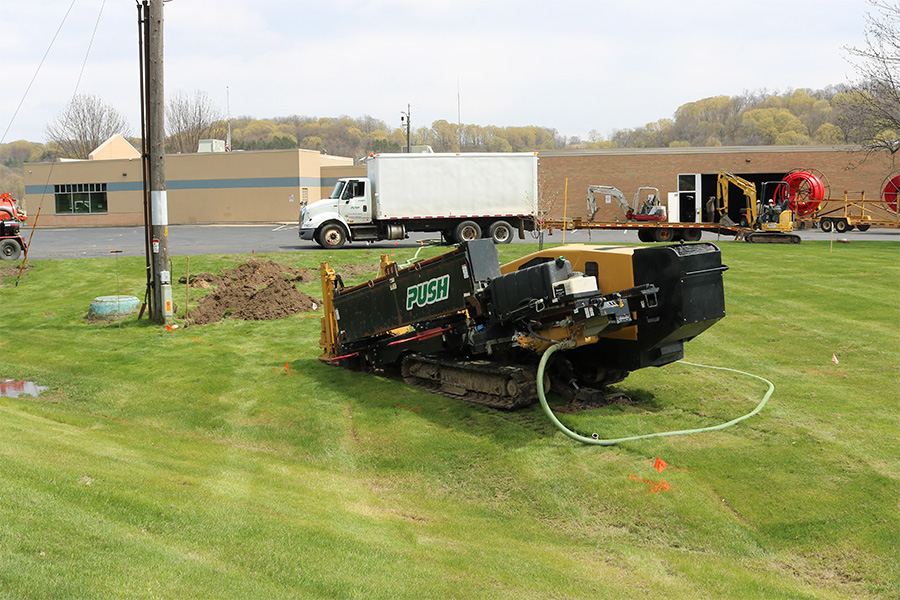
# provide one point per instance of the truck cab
(350, 204)
(354, 199)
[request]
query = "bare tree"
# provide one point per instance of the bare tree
(549, 203)
(189, 120)
(872, 114)
(86, 123)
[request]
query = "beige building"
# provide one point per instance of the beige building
(213, 187)
(269, 186)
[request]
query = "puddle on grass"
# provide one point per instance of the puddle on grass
(13, 388)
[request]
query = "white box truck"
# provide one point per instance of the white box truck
(461, 196)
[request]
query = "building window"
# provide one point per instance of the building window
(80, 198)
(687, 183)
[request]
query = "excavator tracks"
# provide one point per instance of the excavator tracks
(771, 237)
(479, 381)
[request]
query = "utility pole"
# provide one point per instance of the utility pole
(458, 120)
(161, 307)
(405, 119)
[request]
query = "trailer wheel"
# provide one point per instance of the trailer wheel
(825, 225)
(501, 232)
(663, 235)
(863, 227)
(10, 250)
(645, 235)
(448, 236)
(840, 225)
(467, 231)
(691, 235)
(332, 236)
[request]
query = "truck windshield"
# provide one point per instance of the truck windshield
(338, 188)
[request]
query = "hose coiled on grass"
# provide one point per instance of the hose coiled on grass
(595, 440)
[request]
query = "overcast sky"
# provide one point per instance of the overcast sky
(574, 66)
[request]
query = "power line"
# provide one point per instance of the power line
(38, 70)
(88, 52)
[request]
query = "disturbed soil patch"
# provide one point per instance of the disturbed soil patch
(257, 290)
(9, 271)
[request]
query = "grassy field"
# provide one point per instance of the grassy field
(193, 463)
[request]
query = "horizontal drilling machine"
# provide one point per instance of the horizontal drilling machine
(463, 326)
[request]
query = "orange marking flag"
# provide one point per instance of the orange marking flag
(660, 464)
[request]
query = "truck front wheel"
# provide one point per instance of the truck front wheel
(467, 231)
(501, 232)
(332, 236)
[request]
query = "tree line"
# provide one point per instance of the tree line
(795, 117)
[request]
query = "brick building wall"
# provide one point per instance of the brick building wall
(840, 168)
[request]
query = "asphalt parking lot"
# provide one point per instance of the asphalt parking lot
(192, 240)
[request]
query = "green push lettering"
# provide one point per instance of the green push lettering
(428, 292)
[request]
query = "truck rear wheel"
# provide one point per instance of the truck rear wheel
(501, 232)
(332, 236)
(825, 225)
(663, 235)
(691, 235)
(840, 225)
(467, 231)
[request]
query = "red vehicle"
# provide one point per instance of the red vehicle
(12, 244)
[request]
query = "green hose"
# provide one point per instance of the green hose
(595, 439)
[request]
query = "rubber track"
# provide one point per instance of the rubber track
(524, 379)
(768, 237)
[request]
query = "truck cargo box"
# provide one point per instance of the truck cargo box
(453, 185)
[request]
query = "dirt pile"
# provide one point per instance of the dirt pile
(255, 291)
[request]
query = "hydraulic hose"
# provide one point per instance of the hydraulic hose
(595, 440)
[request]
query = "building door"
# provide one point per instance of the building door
(689, 194)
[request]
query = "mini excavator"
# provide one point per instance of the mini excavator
(461, 325)
(763, 223)
(649, 209)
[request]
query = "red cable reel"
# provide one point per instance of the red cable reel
(891, 191)
(805, 192)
